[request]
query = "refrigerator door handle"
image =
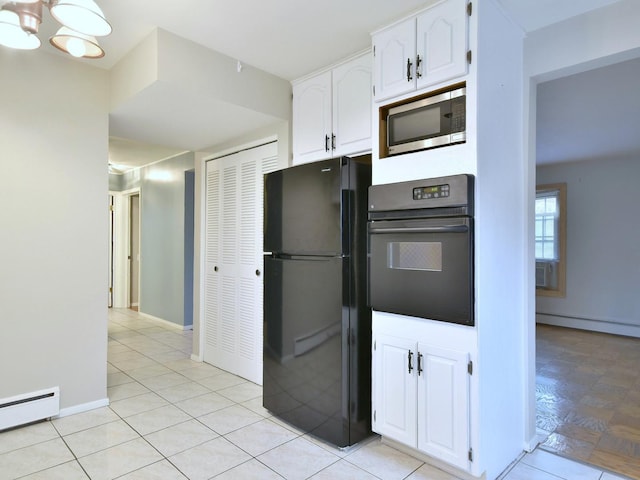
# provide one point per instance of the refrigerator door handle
(306, 258)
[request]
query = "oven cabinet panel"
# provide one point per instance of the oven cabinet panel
(443, 404)
(421, 397)
(394, 389)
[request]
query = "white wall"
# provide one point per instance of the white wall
(53, 295)
(501, 241)
(597, 38)
(603, 246)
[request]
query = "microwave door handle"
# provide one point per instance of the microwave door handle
(441, 229)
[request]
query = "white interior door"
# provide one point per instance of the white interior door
(233, 279)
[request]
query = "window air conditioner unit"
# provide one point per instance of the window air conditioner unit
(541, 274)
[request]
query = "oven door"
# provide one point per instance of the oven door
(423, 268)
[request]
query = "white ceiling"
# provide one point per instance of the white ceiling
(288, 38)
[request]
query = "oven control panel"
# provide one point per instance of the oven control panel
(433, 191)
(430, 194)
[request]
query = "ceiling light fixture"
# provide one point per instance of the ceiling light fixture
(82, 21)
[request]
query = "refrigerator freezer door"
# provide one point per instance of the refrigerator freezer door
(303, 209)
(304, 348)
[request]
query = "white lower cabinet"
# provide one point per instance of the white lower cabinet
(421, 397)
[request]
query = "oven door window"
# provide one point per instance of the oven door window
(423, 274)
(426, 256)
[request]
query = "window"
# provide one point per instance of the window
(547, 214)
(550, 234)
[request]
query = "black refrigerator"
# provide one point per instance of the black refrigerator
(317, 331)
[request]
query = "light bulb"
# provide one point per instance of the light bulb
(76, 47)
(76, 44)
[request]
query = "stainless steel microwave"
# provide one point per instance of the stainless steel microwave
(429, 122)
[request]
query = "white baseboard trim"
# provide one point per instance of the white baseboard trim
(84, 407)
(167, 323)
(595, 325)
(196, 358)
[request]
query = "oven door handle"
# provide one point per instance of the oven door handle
(438, 229)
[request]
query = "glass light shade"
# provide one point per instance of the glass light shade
(82, 16)
(12, 35)
(76, 44)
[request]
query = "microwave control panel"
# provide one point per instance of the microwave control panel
(434, 191)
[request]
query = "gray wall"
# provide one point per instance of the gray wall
(162, 236)
(53, 299)
(115, 182)
(189, 199)
(603, 246)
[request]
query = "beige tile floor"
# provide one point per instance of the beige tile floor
(172, 418)
(588, 397)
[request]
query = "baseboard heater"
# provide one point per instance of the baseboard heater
(29, 407)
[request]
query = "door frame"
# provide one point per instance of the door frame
(121, 265)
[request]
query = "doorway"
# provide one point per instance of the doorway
(134, 252)
(111, 248)
(587, 384)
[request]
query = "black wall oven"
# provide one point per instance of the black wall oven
(420, 248)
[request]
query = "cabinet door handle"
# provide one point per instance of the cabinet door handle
(419, 363)
(409, 65)
(410, 361)
(333, 141)
(418, 64)
(326, 143)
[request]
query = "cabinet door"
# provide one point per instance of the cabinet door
(394, 388)
(312, 119)
(443, 405)
(352, 106)
(442, 43)
(394, 60)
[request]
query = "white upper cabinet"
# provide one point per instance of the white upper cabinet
(394, 51)
(424, 50)
(352, 106)
(312, 119)
(332, 112)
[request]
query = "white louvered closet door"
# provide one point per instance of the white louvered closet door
(233, 284)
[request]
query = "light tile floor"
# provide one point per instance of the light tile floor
(173, 418)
